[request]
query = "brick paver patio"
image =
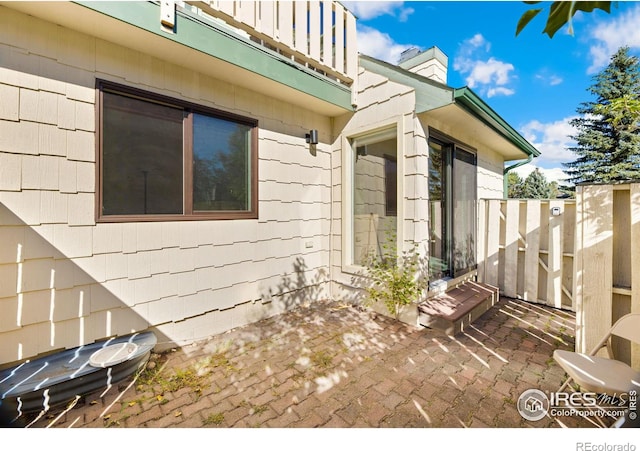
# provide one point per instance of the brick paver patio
(335, 366)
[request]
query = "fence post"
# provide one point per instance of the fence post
(493, 243)
(635, 264)
(511, 247)
(482, 233)
(597, 262)
(532, 251)
(556, 250)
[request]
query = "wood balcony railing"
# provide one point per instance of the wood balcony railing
(319, 34)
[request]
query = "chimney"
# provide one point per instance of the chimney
(432, 63)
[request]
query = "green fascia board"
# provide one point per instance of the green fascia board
(471, 102)
(429, 93)
(226, 46)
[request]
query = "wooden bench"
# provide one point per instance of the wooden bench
(454, 310)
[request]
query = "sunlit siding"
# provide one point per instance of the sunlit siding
(66, 281)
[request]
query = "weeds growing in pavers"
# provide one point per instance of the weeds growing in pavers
(217, 360)
(214, 418)
(155, 380)
(258, 410)
(254, 410)
(109, 422)
(322, 359)
(139, 401)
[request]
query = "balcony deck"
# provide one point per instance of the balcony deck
(319, 34)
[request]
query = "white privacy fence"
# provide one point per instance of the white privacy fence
(528, 249)
(582, 255)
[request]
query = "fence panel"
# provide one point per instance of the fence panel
(525, 252)
(581, 255)
(608, 266)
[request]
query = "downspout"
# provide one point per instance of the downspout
(509, 168)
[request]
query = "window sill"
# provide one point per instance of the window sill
(224, 216)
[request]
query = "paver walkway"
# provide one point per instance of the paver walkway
(335, 366)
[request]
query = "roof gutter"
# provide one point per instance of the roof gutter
(505, 178)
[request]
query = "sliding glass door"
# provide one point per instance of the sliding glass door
(452, 209)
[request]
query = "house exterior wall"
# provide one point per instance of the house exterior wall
(381, 104)
(66, 280)
(382, 101)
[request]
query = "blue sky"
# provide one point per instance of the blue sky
(534, 82)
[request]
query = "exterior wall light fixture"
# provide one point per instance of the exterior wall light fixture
(312, 137)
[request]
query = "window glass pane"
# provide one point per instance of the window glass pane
(391, 183)
(221, 165)
(438, 261)
(452, 210)
(464, 211)
(141, 157)
(375, 190)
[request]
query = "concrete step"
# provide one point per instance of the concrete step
(454, 310)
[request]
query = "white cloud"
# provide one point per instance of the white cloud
(365, 10)
(551, 139)
(404, 14)
(548, 79)
(611, 34)
(500, 91)
(478, 41)
(483, 72)
(489, 72)
(380, 45)
(555, 80)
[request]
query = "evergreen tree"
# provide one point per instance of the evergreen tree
(536, 186)
(514, 186)
(608, 138)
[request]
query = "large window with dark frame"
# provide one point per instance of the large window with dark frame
(162, 158)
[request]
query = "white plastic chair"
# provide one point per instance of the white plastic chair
(600, 374)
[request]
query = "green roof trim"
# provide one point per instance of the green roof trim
(213, 40)
(471, 102)
(431, 94)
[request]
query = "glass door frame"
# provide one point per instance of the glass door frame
(450, 149)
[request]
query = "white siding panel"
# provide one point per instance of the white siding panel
(9, 105)
(19, 137)
(9, 317)
(54, 207)
(8, 280)
(10, 172)
(117, 266)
